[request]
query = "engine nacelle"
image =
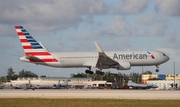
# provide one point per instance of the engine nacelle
(123, 66)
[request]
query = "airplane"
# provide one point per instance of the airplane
(37, 53)
(15, 86)
(133, 85)
(32, 86)
(62, 85)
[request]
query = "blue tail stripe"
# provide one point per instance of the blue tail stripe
(29, 37)
(23, 30)
(26, 33)
(32, 41)
(36, 46)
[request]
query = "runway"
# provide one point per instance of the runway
(112, 94)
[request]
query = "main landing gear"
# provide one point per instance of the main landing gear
(91, 72)
(157, 66)
(99, 72)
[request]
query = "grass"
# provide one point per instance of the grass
(75, 102)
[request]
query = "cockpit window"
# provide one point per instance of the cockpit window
(164, 54)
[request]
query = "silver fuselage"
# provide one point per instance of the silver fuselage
(89, 59)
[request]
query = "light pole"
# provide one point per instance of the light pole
(174, 74)
(142, 73)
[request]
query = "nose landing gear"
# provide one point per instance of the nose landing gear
(157, 66)
(157, 70)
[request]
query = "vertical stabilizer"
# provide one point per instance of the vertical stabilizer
(34, 50)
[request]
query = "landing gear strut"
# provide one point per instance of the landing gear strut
(157, 66)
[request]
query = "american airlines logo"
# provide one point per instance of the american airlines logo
(152, 56)
(133, 56)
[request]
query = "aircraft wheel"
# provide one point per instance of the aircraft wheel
(157, 70)
(102, 73)
(89, 72)
(98, 72)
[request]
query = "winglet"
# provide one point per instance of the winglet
(99, 49)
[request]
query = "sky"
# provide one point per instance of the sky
(74, 25)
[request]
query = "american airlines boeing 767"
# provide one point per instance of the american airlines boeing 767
(37, 53)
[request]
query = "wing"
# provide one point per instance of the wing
(104, 61)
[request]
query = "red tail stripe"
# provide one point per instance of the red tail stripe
(37, 53)
(20, 33)
(50, 60)
(28, 47)
(17, 27)
(44, 60)
(24, 40)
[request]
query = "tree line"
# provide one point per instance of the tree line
(11, 75)
(108, 76)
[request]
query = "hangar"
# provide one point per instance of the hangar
(165, 84)
(77, 82)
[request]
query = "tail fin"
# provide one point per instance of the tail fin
(30, 83)
(130, 82)
(59, 83)
(32, 48)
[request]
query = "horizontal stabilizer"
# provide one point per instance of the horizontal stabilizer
(34, 59)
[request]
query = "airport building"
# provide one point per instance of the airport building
(168, 77)
(165, 82)
(77, 82)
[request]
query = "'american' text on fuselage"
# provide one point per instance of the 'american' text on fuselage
(130, 56)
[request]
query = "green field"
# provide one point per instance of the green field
(70, 102)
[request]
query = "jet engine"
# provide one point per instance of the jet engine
(122, 66)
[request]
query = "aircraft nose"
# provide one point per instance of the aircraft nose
(167, 58)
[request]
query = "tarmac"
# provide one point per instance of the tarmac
(90, 93)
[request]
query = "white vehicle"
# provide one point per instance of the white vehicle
(35, 52)
(133, 85)
(1, 86)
